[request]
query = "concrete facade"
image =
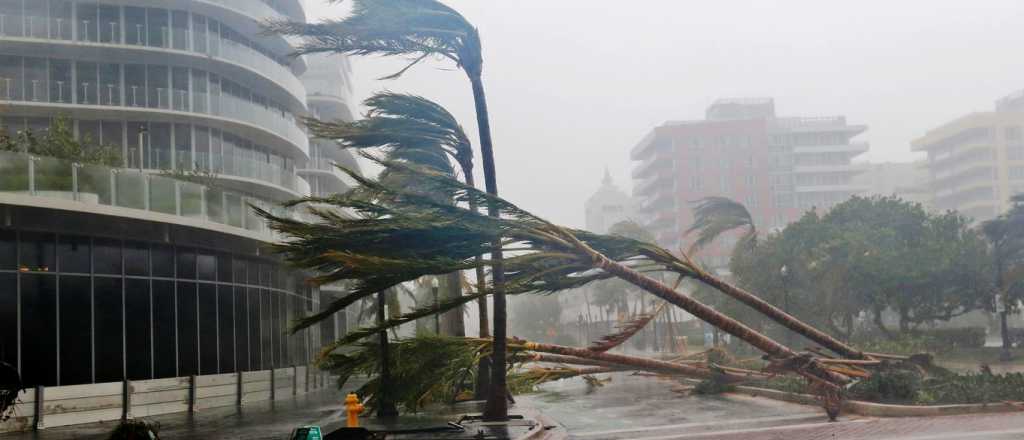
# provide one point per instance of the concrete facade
(778, 167)
(131, 273)
(976, 162)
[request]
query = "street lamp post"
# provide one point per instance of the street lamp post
(784, 273)
(434, 286)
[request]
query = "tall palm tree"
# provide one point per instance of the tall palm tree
(714, 216)
(418, 130)
(423, 29)
(1005, 234)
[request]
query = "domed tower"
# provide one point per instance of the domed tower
(155, 267)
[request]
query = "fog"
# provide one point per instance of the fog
(574, 84)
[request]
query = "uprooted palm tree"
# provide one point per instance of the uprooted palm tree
(417, 129)
(714, 216)
(422, 29)
(405, 234)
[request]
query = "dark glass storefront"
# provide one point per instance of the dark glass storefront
(80, 309)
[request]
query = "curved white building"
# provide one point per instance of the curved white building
(111, 274)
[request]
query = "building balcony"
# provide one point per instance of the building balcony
(652, 165)
(848, 168)
(47, 98)
(327, 168)
(660, 183)
(853, 148)
(838, 188)
(52, 183)
(330, 107)
(117, 42)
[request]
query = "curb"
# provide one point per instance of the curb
(872, 409)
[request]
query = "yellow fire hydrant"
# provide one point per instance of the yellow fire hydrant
(353, 409)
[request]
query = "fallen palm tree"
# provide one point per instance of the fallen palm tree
(403, 234)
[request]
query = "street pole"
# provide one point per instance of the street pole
(434, 287)
(784, 272)
(387, 407)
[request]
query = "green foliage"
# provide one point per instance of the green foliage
(870, 255)
(424, 369)
(135, 429)
(889, 386)
(59, 142)
(713, 386)
(939, 341)
(533, 316)
(972, 388)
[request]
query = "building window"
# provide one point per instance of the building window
(696, 183)
(1013, 134)
(1015, 152)
(751, 179)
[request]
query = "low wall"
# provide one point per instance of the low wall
(44, 407)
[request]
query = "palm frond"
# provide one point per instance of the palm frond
(626, 330)
(714, 216)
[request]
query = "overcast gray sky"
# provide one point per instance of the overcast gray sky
(574, 84)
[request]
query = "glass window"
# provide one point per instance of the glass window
(74, 254)
(180, 32)
(199, 91)
(75, 330)
(137, 329)
(135, 85)
(12, 77)
(8, 250)
(60, 81)
(163, 261)
(186, 263)
(138, 139)
(135, 25)
(226, 328)
(88, 22)
(109, 24)
(136, 258)
(179, 84)
(255, 344)
(158, 153)
(8, 316)
(267, 329)
(224, 268)
(37, 87)
(188, 338)
(87, 83)
(36, 20)
(164, 333)
(202, 141)
(183, 147)
(109, 84)
(12, 22)
(214, 38)
(241, 334)
(107, 256)
(208, 349)
(199, 33)
(158, 85)
(158, 27)
(109, 347)
(207, 267)
(112, 134)
(39, 319)
(37, 251)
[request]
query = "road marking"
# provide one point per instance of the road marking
(750, 430)
(699, 424)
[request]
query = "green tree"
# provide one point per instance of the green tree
(424, 29)
(59, 142)
(1005, 235)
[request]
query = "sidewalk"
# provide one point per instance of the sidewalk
(276, 420)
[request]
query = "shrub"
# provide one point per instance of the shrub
(888, 386)
(947, 339)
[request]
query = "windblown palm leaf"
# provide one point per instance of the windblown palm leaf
(421, 28)
(408, 234)
(714, 216)
(626, 330)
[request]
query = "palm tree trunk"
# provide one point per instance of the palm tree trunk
(716, 319)
(496, 408)
(483, 368)
(387, 407)
(452, 323)
(640, 363)
(781, 317)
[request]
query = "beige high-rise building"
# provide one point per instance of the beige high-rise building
(976, 162)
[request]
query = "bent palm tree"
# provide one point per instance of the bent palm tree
(415, 128)
(422, 29)
(1006, 236)
(714, 216)
(407, 234)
